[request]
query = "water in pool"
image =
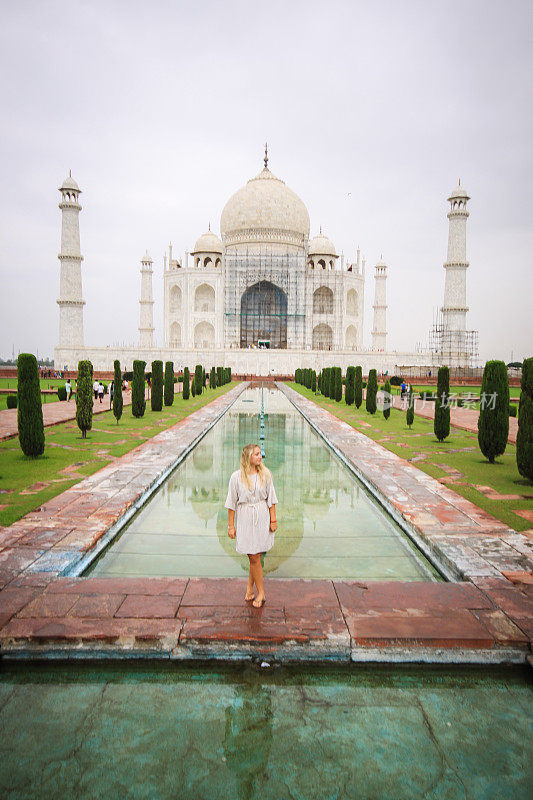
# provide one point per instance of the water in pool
(329, 525)
(150, 732)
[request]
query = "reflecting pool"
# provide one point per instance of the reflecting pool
(329, 524)
(156, 732)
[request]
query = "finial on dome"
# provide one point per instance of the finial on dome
(70, 174)
(459, 181)
(266, 155)
(209, 227)
(321, 230)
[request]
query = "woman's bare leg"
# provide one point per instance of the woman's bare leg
(250, 588)
(257, 573)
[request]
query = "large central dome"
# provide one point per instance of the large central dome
(265, 211)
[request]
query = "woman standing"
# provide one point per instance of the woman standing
(251, 505)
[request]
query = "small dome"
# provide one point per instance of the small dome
(459, 192)
(322, 246)
(70, 183)
(381, 263)
(208, 243)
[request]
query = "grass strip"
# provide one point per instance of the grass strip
(26, 483)
(458, 459)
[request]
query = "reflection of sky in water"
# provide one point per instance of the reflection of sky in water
(329, 527)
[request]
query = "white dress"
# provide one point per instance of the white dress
(252, 516)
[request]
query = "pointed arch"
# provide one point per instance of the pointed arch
(204, 299)
(323, 300)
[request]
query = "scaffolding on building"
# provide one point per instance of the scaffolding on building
(454, 348)
(307, 313)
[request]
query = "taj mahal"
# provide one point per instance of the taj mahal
(264, 298)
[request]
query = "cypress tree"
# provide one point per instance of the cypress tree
(349, 388)
(138, 402)
(387, 399)
(331, 390)
(493, 421)
(358, 387)
(338, 384)
(297, 376)
(197, 380)
(371, 392)
(169, 383)
(441, 422)
(524, 438)
(203, 378)
(186, 383)
(220, 379)
(30, 410)
(313, 381)
(118, 402)
(193, 387)
(229, 374)
(319, 381)
(156, 397)
(84, 398)
(327, 381)
(410, 415)
(212, 379)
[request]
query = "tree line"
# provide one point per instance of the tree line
(495, 409)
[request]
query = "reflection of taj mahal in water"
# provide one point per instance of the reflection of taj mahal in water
(330, 524)
(264, 298)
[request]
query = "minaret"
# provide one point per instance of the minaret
(70, 294)
(146, 320)
(379, 331)
(455, 308)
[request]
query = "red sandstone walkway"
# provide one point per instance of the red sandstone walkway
(53, 414)
(465, 418)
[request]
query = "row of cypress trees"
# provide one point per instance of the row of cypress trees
(493, 421)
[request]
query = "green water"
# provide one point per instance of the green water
(329, 525)
(157, 732)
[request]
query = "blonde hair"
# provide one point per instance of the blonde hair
(246, 468)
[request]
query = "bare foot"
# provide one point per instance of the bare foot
(259, 601)
(249, 596)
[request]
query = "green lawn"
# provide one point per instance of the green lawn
(514, 391)
(460, 451)
(46, 383)
(68, 458)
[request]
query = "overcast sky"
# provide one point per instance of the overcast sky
(372, 112)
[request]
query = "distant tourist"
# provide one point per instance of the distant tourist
(95, 388)
(111, 391)
(100, 391)
(68, 388)
(251, 504)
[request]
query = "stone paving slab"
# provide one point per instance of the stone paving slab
(53, 414)
(486, 619)
(301, 620)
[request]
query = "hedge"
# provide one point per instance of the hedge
(84, 398)
(118, 401)
(138, 402)
(30, 410)
(169, 383)
(441, 420)
(493, 420)
(156, 397)
(524, 438)
(371, 392)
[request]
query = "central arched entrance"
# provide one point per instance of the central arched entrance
(264, 316)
